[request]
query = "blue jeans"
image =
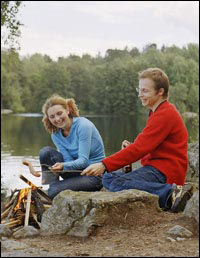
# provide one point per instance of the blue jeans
(146, 178)
(72, 181)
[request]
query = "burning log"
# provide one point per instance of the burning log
(5, 213)
(27, 207)
(38, 204)
(34, 186)
(35, 218)
(11, 213)
(10, 202)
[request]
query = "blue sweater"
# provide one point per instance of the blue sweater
(83, 145)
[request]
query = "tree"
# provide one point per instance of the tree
(11, 96)
(9, 23)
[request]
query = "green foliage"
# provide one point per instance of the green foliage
(100, 85)
(11, 95)
(9, 22)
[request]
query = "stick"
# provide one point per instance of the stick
(16, 229)
(39, 205)
(8, 204)
(5, 213)
(13, 223)
(61, 171)
(47, 206)
(12, 193)
(12, 207)
(34, 186)
(37, 173)
(46, 202)
(35, 218)
(28, 208)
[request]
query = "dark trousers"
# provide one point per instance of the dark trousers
(72, 180)
(146, 178)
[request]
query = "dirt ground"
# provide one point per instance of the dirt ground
(144, 237)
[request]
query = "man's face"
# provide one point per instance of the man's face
(149, 97)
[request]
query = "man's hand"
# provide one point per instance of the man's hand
(96, 169)
(57, 167)
(125, 143)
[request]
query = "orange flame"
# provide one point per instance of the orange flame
(22, 196)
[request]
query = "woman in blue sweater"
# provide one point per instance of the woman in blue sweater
(78, 144)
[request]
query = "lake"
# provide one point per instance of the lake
(23, 135)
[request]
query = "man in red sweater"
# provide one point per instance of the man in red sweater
(161, 146)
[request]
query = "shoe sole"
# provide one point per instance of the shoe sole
(180, 202)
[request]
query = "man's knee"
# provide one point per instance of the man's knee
(107, 180)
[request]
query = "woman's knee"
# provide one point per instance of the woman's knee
(45, 151)
(53, 191)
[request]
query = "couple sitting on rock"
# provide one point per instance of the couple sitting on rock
(161, 146)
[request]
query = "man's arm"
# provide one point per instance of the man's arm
(151, 137)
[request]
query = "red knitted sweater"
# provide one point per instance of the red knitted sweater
(163, 144)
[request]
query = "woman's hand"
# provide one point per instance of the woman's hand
(57, 167)
(96, 169)
(125, 143)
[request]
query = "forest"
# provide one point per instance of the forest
(100, 84)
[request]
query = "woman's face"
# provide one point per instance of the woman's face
(58, 116)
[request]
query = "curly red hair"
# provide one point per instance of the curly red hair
(55, 99)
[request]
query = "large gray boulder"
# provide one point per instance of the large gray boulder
(192, 207)
(193, 168)
(80, 213)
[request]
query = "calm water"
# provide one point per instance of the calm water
(23, 135)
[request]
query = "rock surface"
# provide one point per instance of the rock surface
(79, 213)
(179, 231)
(26, 231)
(192, 207)
(193, 168)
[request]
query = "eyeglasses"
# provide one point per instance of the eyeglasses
(144, 91)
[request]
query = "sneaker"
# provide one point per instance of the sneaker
(180, 196)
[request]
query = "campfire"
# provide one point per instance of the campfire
(25, 207)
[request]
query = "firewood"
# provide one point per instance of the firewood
(20, 214)
(11, 213)
(28, 208)
(46, 206)
(5, 213)
(13, 223)
(43, 194)
(17, 228)
(35, 218)
(34, 186)
(11, 200)
(7, 205)
(46, 202)
(33, 208)
(38, 204)
(13, 192)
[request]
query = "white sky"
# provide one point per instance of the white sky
(60, 28)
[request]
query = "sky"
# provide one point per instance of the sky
(61, 28)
